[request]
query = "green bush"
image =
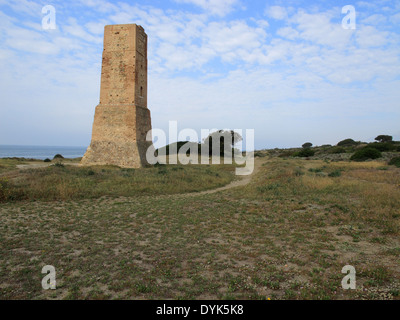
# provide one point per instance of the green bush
(337, 150)
(286, 154)
(395, 162)
(365, 154)
(305, 153)
(260, 154)
(334, 174)
(58, 165)
(382, 146)
(4, 189)
(384, 138)
(47, 160)
(316, 170)
(58, 156)
(347, 142)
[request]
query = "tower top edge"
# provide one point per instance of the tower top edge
(128, 25)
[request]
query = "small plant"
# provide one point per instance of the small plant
(335, 174)
(365, 154)
(384, 138)
(59, 164)
(162, 170)
(4, 189)
(47, 160)
(286, 154)
(58, 156)
(382, 146)
(337, 150)
(269, 187)
(305, 153)
(260, 154)
(347, 142)
(298, 172)
(395, 162)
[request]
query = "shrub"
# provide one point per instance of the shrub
(307, 145)
(382, 146)
(334, 174)
(395, 162)
(58, 156)
(337, 150)
(398, 148)
(59, 165)
(365, 154)
(298, 172)
(260, 154)
(47, 160)
(286, 154)
(305, 153)
(316, 170)
(4, 189)
(347, 142)
(384, 138)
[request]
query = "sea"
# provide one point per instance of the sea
(40, 152)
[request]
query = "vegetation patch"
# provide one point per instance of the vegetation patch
(366, 154)
(64, 182)
(395, 162)
(306, 152)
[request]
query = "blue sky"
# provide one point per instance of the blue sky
(287, 69)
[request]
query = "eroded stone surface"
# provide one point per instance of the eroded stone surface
(122, 119)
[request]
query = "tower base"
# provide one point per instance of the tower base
(119, 136)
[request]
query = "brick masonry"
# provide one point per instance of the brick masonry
(122, 119)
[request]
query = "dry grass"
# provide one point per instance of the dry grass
(64, 182)
(286, 235)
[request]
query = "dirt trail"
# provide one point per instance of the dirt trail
(14, 173)
(244, 180)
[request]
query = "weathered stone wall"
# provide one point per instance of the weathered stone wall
(122, 119)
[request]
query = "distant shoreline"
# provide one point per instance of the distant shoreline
(40, 152)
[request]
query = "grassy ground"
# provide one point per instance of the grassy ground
(286, 235)
(61, 181)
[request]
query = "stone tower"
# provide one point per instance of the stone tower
(122, 119)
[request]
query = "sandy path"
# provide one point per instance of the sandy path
(243, 180)
(42, 165)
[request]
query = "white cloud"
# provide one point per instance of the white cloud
(375, 19)
(288, 32)
(214, 7)
(30, 41)
(229, 37)
(290, 84)
(319, 29)
(100, 5)
(76, 30)
(276, 12)
(368, 36)
(395, 18)
(31, 8)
